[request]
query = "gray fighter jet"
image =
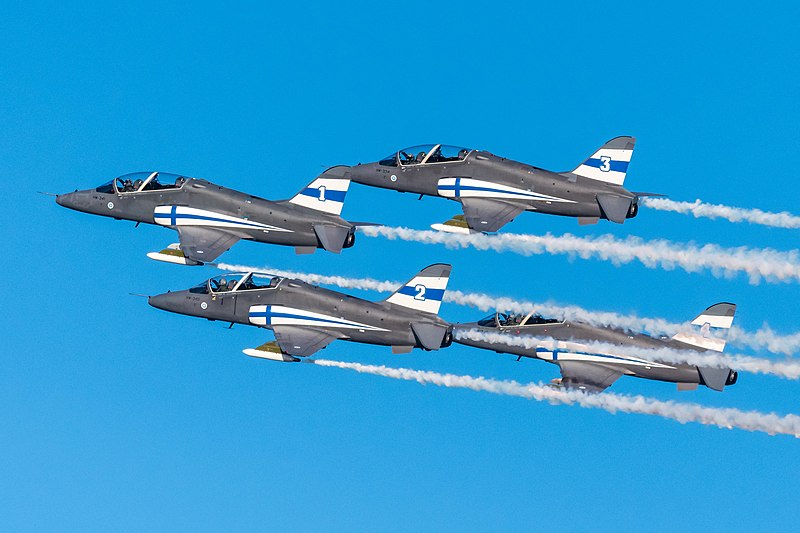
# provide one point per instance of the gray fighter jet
(210, 218)
(587, 368)
(306, 318)
(493, 190)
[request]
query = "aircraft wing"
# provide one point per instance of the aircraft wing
(301, 341)
(204, 244)
(489, 215)
(590, 376)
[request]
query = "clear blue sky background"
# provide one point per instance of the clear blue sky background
(117, 416)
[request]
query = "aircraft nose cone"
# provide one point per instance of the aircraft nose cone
(162, 301)
(64, 200)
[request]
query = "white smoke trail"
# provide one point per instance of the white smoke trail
(765, 263)
(732, 214)
(784, 369)
(729, 418)
(764, 338)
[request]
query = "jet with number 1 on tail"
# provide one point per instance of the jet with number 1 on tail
(493, 190)
(306, 318)
(210, 218)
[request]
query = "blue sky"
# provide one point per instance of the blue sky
(116, 415)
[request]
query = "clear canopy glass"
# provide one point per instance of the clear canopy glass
(424, 154)
(514, 319)
(240, 283)
(143, 181)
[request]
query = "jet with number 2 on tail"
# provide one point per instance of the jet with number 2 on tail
(493, 190)
(569, 345)
(210, 219)
(306, 318)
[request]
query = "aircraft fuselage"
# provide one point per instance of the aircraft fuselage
(484, 175)
(201, 203)
(566, 341)
(296, 303)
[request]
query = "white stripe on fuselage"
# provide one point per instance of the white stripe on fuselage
(179, 215)
(472, 188)
(279, 315)
(569, 351)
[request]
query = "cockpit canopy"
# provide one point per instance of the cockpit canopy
(143, 181)
(515, 319)
(425, 154)
(235, 283)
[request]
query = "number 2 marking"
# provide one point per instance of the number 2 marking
(322, 190)
(605, 163)
(420, 293)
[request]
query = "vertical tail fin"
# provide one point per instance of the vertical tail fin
(609, 163)
(710, 328)
(425, 290)
(326, 193)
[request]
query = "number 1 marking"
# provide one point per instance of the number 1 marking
(322, 190)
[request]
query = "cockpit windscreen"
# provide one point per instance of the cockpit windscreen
(424, 154)
(143, 181)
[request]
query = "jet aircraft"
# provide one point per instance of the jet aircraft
(493, 190)
(306, 318)
(210, 218)
(584, 367)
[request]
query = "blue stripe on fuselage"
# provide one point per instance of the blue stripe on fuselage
(174, 216)
(459, 189)
(269, 315)
(625, 359)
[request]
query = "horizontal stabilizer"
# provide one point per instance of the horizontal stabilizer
(430, 336)
(714, 378)
(615, 208)
(271, 351)
(457, 224)
(425, 291)
(172, 254)
(333, 238)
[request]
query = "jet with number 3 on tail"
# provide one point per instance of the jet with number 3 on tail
(306, 318)
(493, 190)
(210, 219)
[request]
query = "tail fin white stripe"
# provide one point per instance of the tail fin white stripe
(710, 328)
(323, 194)
(610, 163)
(425, 291)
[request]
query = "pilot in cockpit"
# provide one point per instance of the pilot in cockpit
(510, 319)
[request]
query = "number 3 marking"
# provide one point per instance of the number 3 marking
(322, 193)
(420, 293)
(605, 163)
